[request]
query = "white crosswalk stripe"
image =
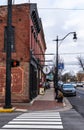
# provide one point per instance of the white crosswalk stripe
(36, 120)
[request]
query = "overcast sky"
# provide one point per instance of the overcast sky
(59, 17)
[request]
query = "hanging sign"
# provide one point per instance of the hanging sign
(46, 69)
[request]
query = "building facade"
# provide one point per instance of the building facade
(80, 76)
(28, 47)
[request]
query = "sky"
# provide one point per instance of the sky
(60, 17)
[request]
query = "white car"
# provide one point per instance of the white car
(74, 84)
(80, 84)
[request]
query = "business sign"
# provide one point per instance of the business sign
(46, 69)
(49, 76)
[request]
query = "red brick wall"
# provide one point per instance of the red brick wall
(21, 23)
(21, 20)
(19, 75)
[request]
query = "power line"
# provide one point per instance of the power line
(76, 9)
(71, 63)
(71, 53)
(63, 53)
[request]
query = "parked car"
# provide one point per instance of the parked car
(74, 84)
(68, 90)
(60, 83)
(83, 83)
(80, 84)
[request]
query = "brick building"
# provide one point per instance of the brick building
(80, 76)
(28, 47)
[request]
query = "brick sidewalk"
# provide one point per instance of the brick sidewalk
(41, 102)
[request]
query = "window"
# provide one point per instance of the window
(35, 20)
(12, 39)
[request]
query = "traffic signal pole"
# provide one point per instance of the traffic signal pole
(8, 57)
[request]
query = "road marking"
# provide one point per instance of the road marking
(36, 120)
(33, 126)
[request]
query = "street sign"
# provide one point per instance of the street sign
(61, 66)
(46, 69)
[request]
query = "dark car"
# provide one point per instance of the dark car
(68, 90)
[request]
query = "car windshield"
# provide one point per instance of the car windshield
(68, 86)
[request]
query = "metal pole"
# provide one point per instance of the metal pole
(56, 69)
(8, 57)
(57, 63)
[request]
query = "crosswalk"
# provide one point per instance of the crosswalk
(35, 120)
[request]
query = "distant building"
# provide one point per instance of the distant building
(80, 76)
(28, 47)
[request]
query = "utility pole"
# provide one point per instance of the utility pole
(8, 57)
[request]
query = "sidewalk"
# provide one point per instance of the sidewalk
(43, 102)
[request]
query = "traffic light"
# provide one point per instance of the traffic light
(15, 63)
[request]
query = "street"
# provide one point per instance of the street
(46, 120)
(72, 119)
(78, 101)
(6, 117)
(36, 120)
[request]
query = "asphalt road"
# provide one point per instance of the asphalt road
(78, 101)
(72, 120)
(44, 120)
(6, 117)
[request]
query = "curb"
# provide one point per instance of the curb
(6, 109)
(21, 110)
(67, 104)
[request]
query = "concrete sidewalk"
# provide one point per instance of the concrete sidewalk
(42, 102)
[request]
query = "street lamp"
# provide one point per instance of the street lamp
(56, 69)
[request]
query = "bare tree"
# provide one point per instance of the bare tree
(81, 62)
